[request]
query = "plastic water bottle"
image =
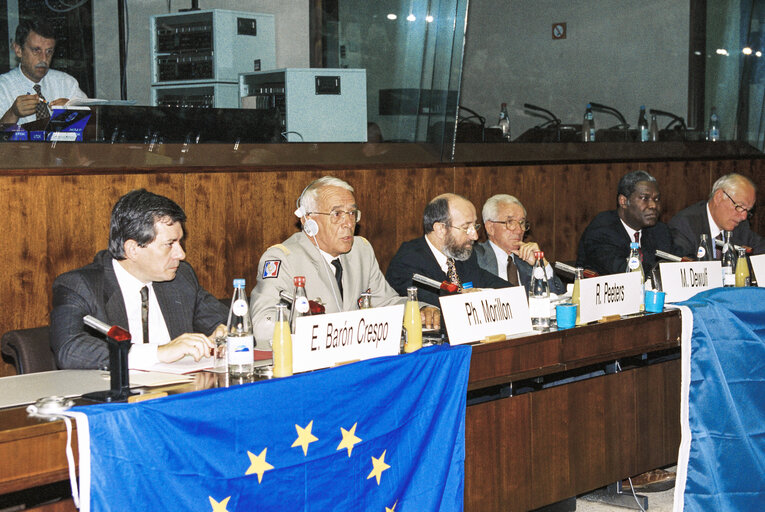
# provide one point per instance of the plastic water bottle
(653, 131)
(643, 125)
(702, 252)
(239, 340)
(504, 122)
(588, 125)
(714, 126)
(728, 261)
(300, 306)
(539, 295)
(635, 265)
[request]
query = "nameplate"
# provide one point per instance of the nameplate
(474, 316)
(321, 341)
(615, 294)
(681, 281)
(758, 266)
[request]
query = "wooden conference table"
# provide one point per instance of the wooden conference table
(522, 451)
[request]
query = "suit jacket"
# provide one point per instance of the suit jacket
(298, 256)
(94, 290)
(605, 245)
(487, 260)
(415, 257)
(688, 225)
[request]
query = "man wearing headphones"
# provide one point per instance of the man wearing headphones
(337, 265)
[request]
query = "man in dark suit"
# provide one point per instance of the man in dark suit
(141, 283)
(505, 219)
(728, 209)
(445, 253)
(605, 243)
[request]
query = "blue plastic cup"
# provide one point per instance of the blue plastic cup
(654, 301)
(566, 315)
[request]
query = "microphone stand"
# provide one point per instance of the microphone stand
(118, 341)
(554, 121)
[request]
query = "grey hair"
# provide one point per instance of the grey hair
(732, 180)
(491, 206)
(308, 199)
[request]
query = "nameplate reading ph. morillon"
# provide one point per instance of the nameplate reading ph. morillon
(758, 265)
(615, 294)
(321, 341)
(681, 281)
(474, 316)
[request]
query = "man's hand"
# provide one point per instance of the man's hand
(194, 344)
(59, 102)
(431, 317)
(23, 106)
(219, 332)
(526, 252)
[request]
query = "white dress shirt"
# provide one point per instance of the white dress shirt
(54, 85)
(141, 354)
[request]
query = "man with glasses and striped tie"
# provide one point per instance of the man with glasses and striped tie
(28, 91)
(505, 253)
(445, 253)
(728, 208)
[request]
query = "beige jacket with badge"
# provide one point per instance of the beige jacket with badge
(297, 256)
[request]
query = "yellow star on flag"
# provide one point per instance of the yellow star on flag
(304, 437)
(393, 508)
(219, 506)
(379, 466)
(258, 464)
(349, 439)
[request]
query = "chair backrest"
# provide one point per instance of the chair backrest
(29, 349)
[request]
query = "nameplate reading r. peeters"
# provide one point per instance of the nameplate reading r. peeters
(758, 265)
(682, 280)
(321, 341)
(479, 315)
(615, 294)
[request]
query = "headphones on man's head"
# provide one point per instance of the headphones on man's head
(310, 226)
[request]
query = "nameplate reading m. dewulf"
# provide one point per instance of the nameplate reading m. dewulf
(682, 280)
(474, 316)
(616, 294)
(321, 341)
(758, 265)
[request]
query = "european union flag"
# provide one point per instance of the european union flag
(383, 435)
(721, 465)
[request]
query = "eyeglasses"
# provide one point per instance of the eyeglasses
(336, 216)
(739, 208)
(511, 223)
(474, 228)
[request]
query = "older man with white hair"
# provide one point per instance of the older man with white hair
(337, 265)
(728, 208)
(505, 254)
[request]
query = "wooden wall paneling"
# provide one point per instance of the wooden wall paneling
(681, 184)
(498, 455)
(24, 251)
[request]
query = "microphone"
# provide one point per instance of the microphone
(554, 119)
(747, 249)
(443, 285)
(674, 117)
(671, 257)
(118, 343)
(613, 112)
(563, 267)
(115, 332)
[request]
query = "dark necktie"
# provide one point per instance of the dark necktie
(451, 273)
(41, 110)
(338, 275)
(145, 313)
(512, 271)
(716, 251)
(640, 249)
